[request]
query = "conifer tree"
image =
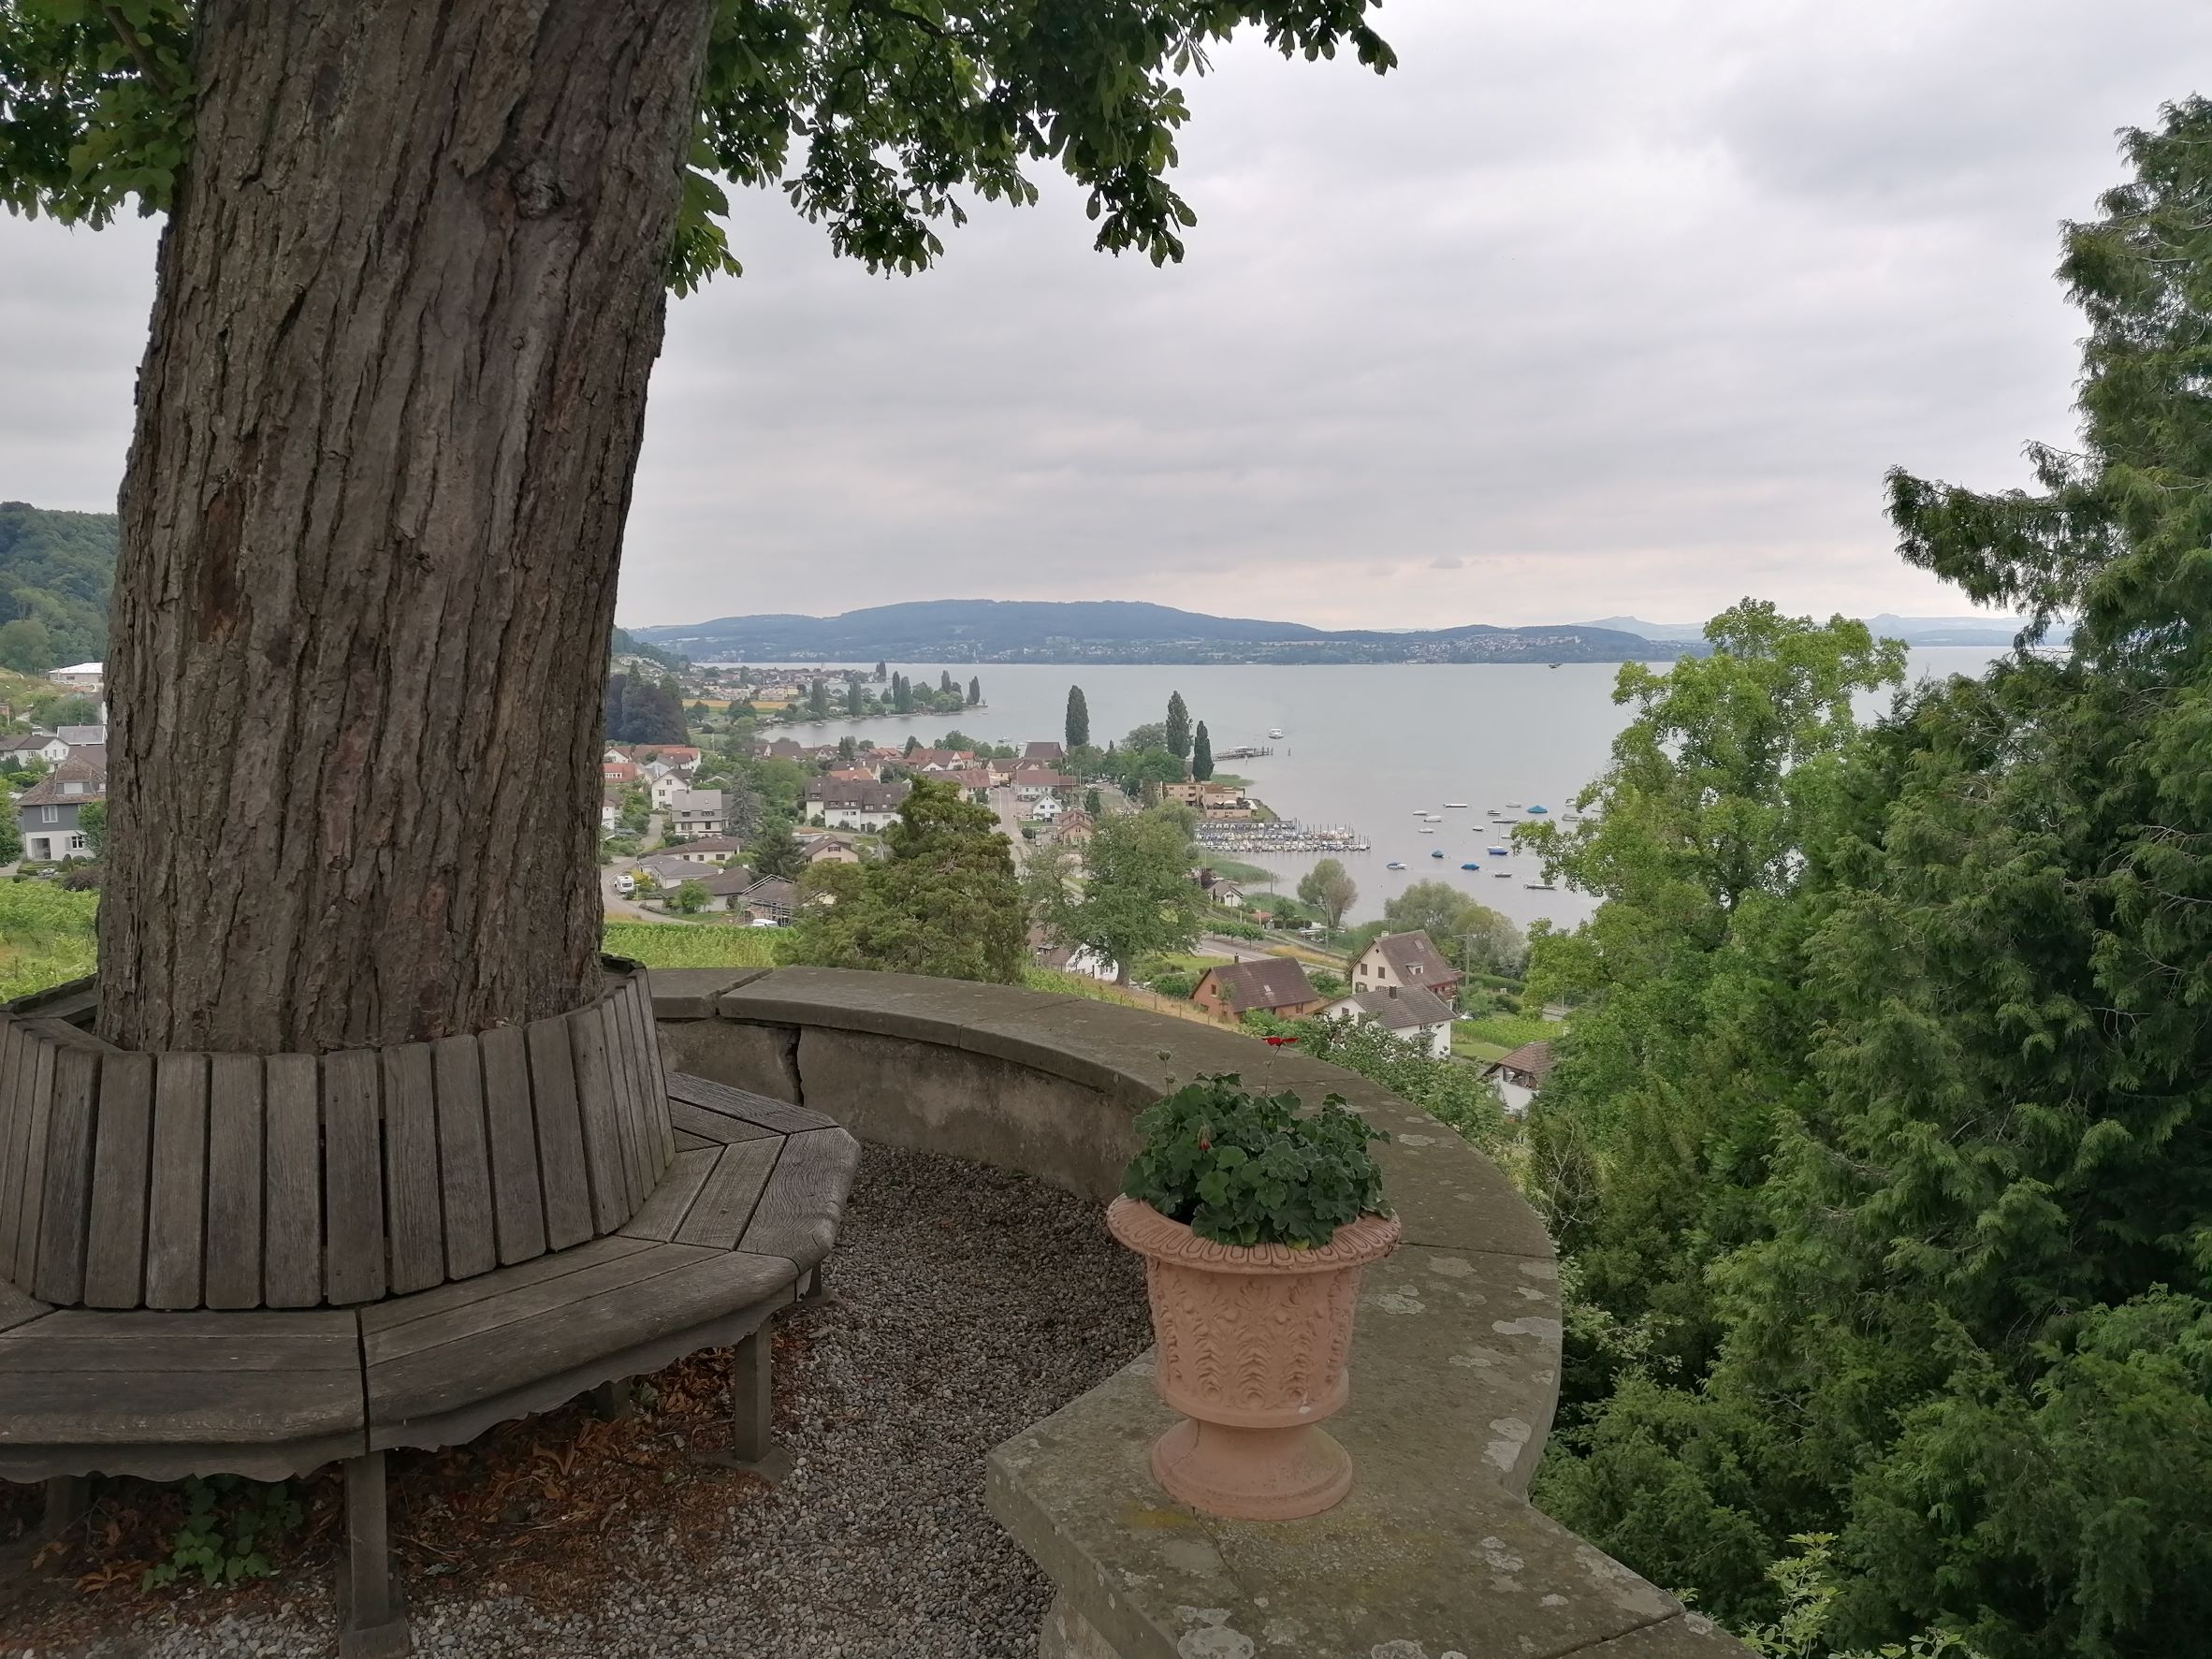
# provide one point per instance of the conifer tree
(1178, 727)
(1202, 754)
(1078, 731)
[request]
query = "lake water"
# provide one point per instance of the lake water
(1369, 744)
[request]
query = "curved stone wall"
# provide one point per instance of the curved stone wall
(1456, 1362)
(291, 1181)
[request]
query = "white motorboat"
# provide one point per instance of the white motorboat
(1455, 805)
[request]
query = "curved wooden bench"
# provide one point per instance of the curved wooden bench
(610, 1220)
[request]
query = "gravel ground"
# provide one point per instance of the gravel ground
(967, 1303)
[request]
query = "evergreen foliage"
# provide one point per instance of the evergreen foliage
(55, 571)
(1175, 735)
(1883, 1147)
(640, 711)
(1078, 732)
(1202, 754)
(945, 902)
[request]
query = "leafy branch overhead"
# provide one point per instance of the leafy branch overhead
(880, 119)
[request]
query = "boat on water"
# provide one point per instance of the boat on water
(1496, 852)
(1427, 831)
(1394, 865)
(1503, 874)
(1535, 812)
(1455, 805)
(1276, 732)
(1540, 886)
(1469, 866)
(1512, 806)
(1438, 854)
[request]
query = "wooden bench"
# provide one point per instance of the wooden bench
(233, 1264)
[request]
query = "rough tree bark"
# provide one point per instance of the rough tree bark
(408, 300)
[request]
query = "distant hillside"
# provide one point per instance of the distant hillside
(1920, 631)
(55, 570)
(1116, 631)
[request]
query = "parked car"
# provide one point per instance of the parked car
(625, 885)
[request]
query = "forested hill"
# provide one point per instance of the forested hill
(1115, 631)
(55, 570)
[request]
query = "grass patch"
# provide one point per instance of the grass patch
(690, 944)
(1466, 1047)
(1237, 870)
(45, 936)
(1509, 1031)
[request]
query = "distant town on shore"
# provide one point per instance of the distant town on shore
(1119, 631)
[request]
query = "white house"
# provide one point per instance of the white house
(665, 788)
(80, 676)
(1417, 1015)
(1520, 1076)
(854, 805)
(697, 812)
(1405, 960)
(1045, 808)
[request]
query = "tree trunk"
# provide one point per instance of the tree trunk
(409, 298)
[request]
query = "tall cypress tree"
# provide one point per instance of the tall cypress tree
(1202, 754)
(1178, 728)
(1079, 719)
(975, 690)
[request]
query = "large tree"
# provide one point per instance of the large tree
(409, 294)
(1202, 753)
(1176, 732)
(945, 902)
(1078, 728)
(1138, 897)
(1330, 889)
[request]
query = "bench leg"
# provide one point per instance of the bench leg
(811, 1288)
(610, 1401)
(68, 1497)
(372, 1613)
(751, 1396)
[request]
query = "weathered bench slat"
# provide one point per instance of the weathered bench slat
(595, 1108)
(464, 1157)
(75, 1377)
(176, 1205)
(629, 1110)
(719, 1218)
(797, 1217)
(517, 1201)
(18, 1244)
(66, 1211)
(686, 1142)
(560, 1134)
(385, 1317)
(515, 1304)
(292, 1150)
(17, 1308)
(659, 1216)
(713, 1126)
(115, 1254)
(413, 1223)
(353, 1169)
(777, 1115)
(237, 1181)
(661, 1136)
(481, 1363)
(14, 1089)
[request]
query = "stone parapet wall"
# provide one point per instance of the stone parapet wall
(1455, 1366)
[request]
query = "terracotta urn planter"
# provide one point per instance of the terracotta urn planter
(1254, 1344)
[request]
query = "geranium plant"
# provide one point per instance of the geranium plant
(1245, 1168)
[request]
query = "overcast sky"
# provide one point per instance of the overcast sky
(1593, 307)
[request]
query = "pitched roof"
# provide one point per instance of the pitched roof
(1042, 778)
(1534, 1059)
(1413, 956)
(696, 803)
(73, 735)
(859, 795)
(1273, 982)
(1042, 751)
(715, 844)
(73, 782)
(1406, 1011)
(773, 892)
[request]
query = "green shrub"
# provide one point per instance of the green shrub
(1245, 1169)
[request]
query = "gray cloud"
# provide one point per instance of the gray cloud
(1620, 306)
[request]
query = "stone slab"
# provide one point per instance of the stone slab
(743, 1053)
(691, 992)
(1450, 1562)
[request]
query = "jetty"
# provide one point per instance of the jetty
(1279, 836)
(1246, 752)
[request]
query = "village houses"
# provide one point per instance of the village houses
(1405, 960)
(1415, 1015)
(1275, 984)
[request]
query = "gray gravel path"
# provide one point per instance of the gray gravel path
(967, 1302)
